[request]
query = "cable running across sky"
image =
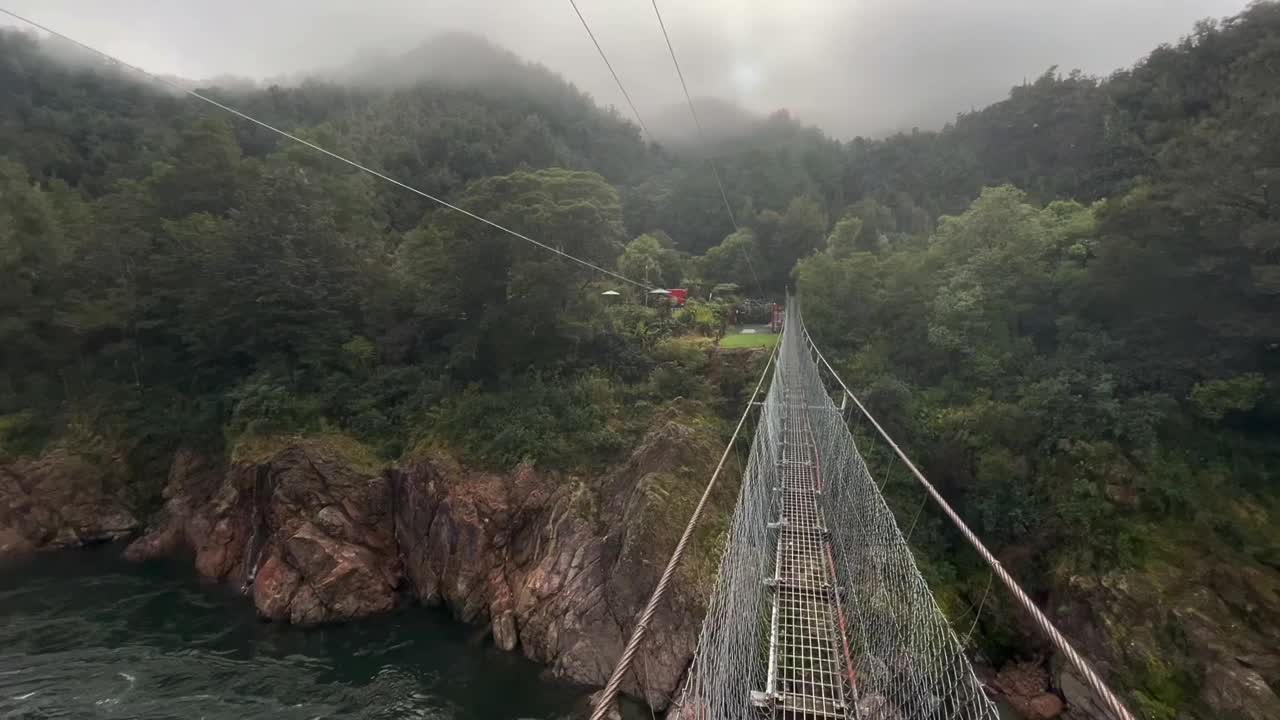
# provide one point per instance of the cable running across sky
(703, 139)
(317, 148)
(612, 72)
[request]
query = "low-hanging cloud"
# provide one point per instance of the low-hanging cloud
(851, 67)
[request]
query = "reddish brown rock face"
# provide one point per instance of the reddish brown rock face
(327, 528)
(556, 567)
(60, 499)
(193, 481)
(309, 534)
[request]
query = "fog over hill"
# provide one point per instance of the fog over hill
(851, 68)
(469, 61)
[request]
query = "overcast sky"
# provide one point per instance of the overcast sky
(850, 66)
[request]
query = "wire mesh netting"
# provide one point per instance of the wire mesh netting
(819, 609)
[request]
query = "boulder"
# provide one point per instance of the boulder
(306, 530)
(61, 499)
(1025, 686)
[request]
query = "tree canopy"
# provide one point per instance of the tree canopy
(1066, 303)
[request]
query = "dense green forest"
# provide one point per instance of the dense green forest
(1066, 304)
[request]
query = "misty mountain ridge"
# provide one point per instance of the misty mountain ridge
(464, 61)
(454, 59)
(721, 119)
(467, 61)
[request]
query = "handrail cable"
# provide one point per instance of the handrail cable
(612, 72)
(1046, 626)
(313, 146)
(606, 697)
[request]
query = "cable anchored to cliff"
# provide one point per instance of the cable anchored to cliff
(606, 698)
(290, 136)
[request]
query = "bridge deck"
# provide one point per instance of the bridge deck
(807, 674)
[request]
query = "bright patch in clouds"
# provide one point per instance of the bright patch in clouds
(746, 77)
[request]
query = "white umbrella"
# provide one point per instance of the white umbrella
(610, 292)
(659, 291)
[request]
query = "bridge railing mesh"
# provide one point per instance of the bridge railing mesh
(907, 663)
(907, 660)
(731, 660)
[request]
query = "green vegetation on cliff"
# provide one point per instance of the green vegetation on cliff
(1067, 304)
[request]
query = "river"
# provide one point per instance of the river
(84, 634)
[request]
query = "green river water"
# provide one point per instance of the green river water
(85, 635)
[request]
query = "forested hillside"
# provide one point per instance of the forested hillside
(1065, 304)
(1086, 353)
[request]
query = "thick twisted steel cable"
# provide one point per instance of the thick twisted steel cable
(606, 698)
(1046, 626)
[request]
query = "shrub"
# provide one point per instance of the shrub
(700, 318)
(681, 369)
(542, 420)
(264, 405)
(1214, 399)
(22, 433)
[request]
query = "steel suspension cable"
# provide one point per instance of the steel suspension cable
(606, 698)
(283, 133)
(612, 72)
(702, 139)
(1095, 682)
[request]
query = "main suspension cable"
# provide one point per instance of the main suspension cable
(612, 72)
(702, 138)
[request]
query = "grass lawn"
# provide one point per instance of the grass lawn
(764, 339)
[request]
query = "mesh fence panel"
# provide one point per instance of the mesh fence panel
(819, 609)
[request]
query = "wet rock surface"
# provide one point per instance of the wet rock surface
(555, 566)
(305, 531)
(61, 499)
(1025, 686)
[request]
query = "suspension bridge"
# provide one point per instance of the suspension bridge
(819, 610)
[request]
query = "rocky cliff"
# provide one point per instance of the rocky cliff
(61, 499)
(555, 566)
(1193, 634)
(559, 566)
(307, 530)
